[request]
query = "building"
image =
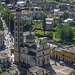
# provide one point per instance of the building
(31, 51)
(49, 23)
(5, 61)
(1, 39)
(66, 54)
(18, 34)
(37, 71)
(14, 70)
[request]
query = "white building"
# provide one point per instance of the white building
(56, 11)
(32, 51)
(49, 23)
(5, 60)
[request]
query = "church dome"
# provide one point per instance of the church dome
(30, 38)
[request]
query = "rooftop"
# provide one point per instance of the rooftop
(3, 55)
(70, 48)
(38, 70)
(1, 32)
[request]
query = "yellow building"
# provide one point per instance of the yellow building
(64, 53)
(37, 71)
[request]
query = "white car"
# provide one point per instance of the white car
(62, 63)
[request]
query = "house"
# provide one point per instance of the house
(68, 21)
(51, 6)
(37, 71)
(71, 13)
(4, 61)
(27, 16)
(56, 11)
(49, 23)
(37, 13)
(66, 53)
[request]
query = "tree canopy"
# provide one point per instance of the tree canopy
(6, 14)
(44, 23)
(27, 26)
(65, 15)
(65, 32)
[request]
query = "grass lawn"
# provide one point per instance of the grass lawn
(55, 36)
(41, 32)
(35, 24)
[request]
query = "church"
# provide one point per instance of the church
(32, 51)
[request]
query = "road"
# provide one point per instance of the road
(59, 69)
(8, 41)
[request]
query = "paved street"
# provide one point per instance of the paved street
(8, 41)
(59, 69)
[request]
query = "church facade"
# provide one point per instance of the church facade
(32, 51)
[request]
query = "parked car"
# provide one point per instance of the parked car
(62, 63)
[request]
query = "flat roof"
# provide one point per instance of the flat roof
(38, 70)
(66, 48)
(49, 18)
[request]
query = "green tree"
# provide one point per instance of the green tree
(1, 25)
(65, 15)
(50, 35)
(65, 32)
(6, 14)
(1, 71)
(44, 23)
(27, 26)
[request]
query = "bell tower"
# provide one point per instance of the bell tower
(18, 34)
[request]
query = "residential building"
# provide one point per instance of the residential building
(56, 11)
(37, 13)
(66, 54)
(31, 51)
(5, 61)
(49, 23)
(37, 71)
(1, 39)
(26, 15)
(51, 6)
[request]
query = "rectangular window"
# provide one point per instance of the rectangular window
(16, 34)
(20, 34)
(16, 40)
(16, 44)
(20, 29)
(16, 24)
(20, 39)
(16, 29)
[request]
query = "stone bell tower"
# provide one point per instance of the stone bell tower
(18, 33)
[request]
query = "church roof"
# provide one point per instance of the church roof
(32, 53)
(34, 46)
(30, 37)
